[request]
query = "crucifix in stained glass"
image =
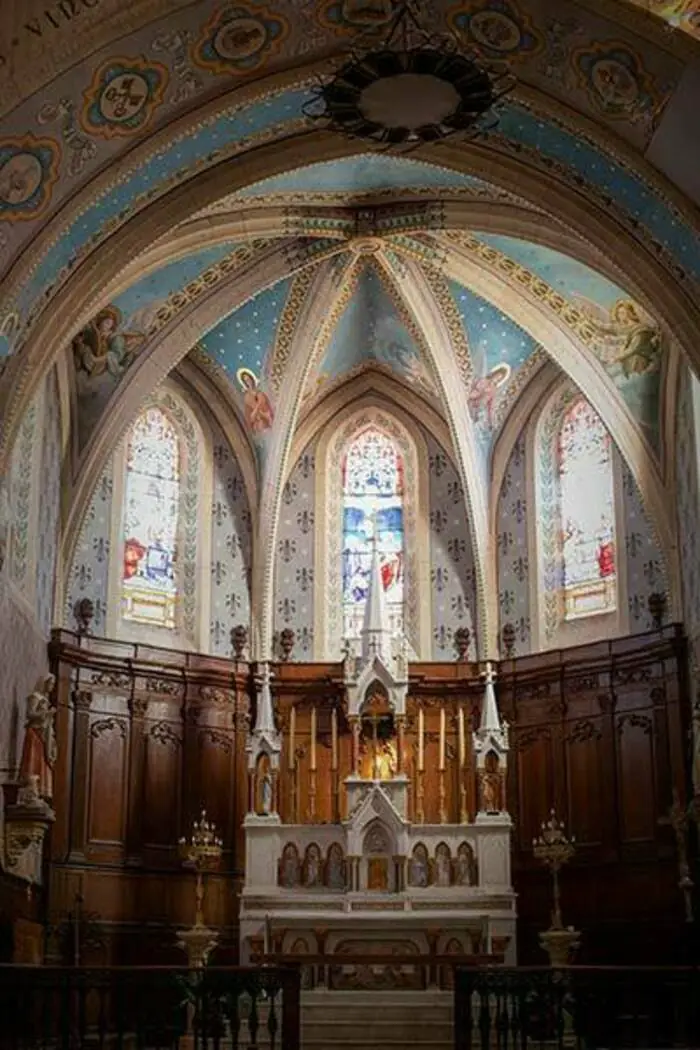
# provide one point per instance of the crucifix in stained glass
(373, 485)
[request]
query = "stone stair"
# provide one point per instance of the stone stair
(376, 1020)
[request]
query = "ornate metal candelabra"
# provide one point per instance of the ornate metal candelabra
(203, 853)
(554, 849)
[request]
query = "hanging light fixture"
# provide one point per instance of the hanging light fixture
(410, 88)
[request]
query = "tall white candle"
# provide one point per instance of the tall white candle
(441, 763)
(462, 741)
(334, 739)
(313, 739)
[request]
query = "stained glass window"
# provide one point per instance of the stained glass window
(373, 485)
(151, 512)
(587, 513)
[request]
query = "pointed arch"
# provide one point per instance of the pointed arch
(334, 443)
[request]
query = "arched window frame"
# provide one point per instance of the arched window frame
(552, 627)
(386, 499)
(191, 626)
(328, 584)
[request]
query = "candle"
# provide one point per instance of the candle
(292, 736)
(421, 752)
(313, 739)
(441, 763)
(462, 742)
(334, 739)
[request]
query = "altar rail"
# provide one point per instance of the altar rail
(577, 1007)
(66, 1008)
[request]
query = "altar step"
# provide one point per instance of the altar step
(376, 1020)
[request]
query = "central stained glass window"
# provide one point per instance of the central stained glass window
(373, 489)
(587, 513)
(151, 514)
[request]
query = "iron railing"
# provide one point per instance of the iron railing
(149, 1008)
(577, 1008)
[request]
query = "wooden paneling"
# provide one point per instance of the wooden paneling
(147, 738)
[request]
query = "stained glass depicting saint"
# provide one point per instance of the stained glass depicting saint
(373, 485)
(587, 513)
(151, 509)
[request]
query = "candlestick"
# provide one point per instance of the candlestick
(203, 853)
(334, 739)
(313, 740)
(462, 741)
(441, 761)
(553, 848)
(421, 744)
(292, 737)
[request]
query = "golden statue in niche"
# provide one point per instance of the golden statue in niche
(378, 754)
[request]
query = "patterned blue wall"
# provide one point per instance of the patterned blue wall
(294, 567)
(89, 572)
(452, 575)
(49, 505)
(230, 549)
(512, 548)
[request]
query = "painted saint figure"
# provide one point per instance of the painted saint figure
(100, 347)
(39, 748)
(257, 408)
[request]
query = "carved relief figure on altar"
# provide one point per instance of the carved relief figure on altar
(419, 870)
(39, 748)
(335, 867)
(442, 866)
(311, 870)
(289, 867)
(465, 866)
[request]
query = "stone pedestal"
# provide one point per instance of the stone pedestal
(560, 945)
(26, 822)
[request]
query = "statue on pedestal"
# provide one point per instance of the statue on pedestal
(39, 748)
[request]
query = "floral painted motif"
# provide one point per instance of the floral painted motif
(498, 28)
(294, 570)
(353, 15)
(28, 170)
(615, 80)
(452, 574)
(239, 39)
(123, 96)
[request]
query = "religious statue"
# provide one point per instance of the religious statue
(266, 794)
(290, 868)
(464, 865)
(312, 866)
(490, 793)
(385, 761)
(39, 748)
(418, 871)
(443, 864)
(335, 868)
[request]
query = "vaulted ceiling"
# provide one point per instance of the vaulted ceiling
(201, 222)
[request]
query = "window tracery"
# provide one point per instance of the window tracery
(373, 489)
(151, 517)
